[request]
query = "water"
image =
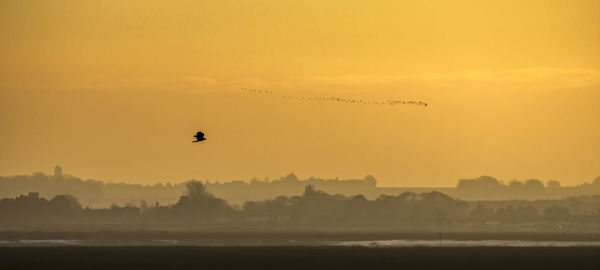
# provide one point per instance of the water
(468, 243)
(259, 242)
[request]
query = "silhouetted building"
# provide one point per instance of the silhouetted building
(57, 171)
(34, 195)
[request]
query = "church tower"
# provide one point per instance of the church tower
(57, 171)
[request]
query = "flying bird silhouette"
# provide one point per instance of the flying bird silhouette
(199, 137)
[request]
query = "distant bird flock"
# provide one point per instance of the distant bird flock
(340, 100)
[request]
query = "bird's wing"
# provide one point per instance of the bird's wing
(199, 134)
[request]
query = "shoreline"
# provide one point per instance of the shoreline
(304, 235)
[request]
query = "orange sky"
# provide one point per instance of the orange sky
(114, 90)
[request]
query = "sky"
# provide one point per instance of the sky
(114, 90)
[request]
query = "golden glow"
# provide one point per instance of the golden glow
(114, 90)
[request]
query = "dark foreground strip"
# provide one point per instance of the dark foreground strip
(298, 258)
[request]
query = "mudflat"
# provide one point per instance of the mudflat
(299, 257)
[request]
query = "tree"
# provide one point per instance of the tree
(557, 213)
(370, 180)
(196, 190)
(516, 185)
(65, 202)
(555, 184)
(481, 187)
(291, 177)
(199, 204)
(481, 214)
(534, 185)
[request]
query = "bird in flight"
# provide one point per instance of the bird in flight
(199, 137)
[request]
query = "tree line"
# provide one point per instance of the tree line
(96, 193)
(313, 208)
